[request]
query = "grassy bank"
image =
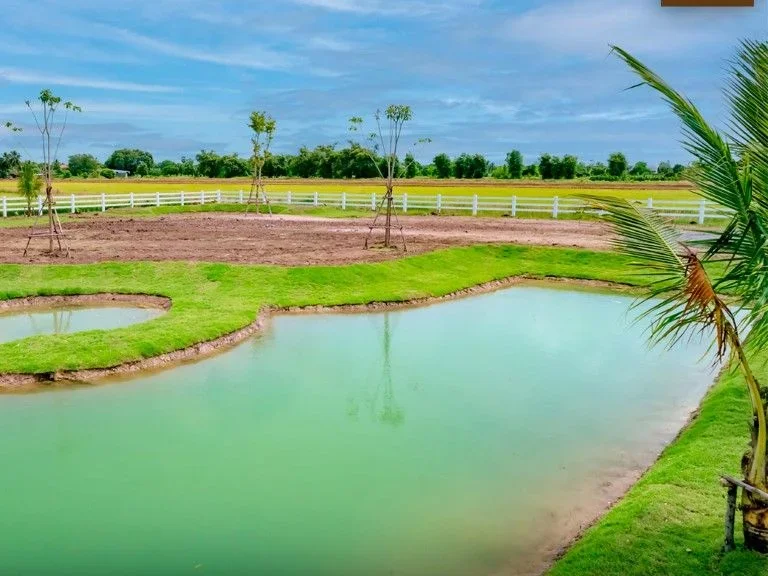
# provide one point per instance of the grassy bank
(210, 300)
(640, 191)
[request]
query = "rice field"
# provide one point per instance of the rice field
(636, 191)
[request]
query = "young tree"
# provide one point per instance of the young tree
(44, 114)
(263, 127)
(688, 291)
(385, 141)
(515, 164)
(29, 183)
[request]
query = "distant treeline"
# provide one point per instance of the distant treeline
(352, 162)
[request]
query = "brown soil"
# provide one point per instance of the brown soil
(286, 240)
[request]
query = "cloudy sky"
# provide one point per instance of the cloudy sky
(175, 76)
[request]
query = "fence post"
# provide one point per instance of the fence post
(103, 202)
(373, 200)
(315, 199)
(555, 206)
(240, 199)
(39, 205)
(650, 204)
(181, 198)
(218, 196)
(131, 199)
(343, 200)
(5, 207)
(71, 203)
(289, 197)
(474, 205)
(514, 206)
(157, 198)
(702, 211)
(439, 203)
(405, 201)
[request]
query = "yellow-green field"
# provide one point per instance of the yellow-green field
(486, 188)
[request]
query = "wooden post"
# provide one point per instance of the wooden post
(439, 203)
(514, 206)
(289, 198)
(650, 204)
(202, 197)
(555, 207)
(218, 196)
(39, 205)
(157, 198)
(71, 203)
(343, 200)
(315, 199)
(474, 205)
(5, 207)
(103, 202)
(131, 199)
(730, 517)
(181, 198)
(702, 211)
(373, 200)
(405, 201)
(241, 197)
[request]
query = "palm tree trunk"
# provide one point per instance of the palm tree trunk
(754, 510)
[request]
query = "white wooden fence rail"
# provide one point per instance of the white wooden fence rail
(554, 207)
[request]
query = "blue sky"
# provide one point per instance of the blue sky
(489, 76)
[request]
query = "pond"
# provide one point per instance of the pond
(470, 437)
(18, 324)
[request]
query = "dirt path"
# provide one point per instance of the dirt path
(286, 240)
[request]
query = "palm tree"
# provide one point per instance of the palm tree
(688, 280)
(29, 184)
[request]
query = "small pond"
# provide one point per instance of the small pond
(17, 324)
(466, 438)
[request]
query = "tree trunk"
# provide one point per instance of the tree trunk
(755, 514)
(49, 200)
(388, 222)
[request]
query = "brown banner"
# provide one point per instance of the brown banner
(710, 3)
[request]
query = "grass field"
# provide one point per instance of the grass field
(670, 523)
(486, 188)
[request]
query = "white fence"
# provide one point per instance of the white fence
(552, 207)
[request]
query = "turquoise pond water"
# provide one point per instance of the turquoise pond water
(464, 438)
(21, 324)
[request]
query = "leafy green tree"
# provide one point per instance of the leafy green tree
(81, 165)
(686, 292)
(207, 163)
(598, 169)
(107, 173)
(514, 163)
(412, 167)
(443, 166)
(568, 166)
(10, 163)
(169, 168)
(617, 165)
(500, 173)
(546, 167)
(29, 184)
(531, 171)
(664, 169)
(640, 169)
(131, 159)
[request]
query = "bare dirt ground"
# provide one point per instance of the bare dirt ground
(285, 240)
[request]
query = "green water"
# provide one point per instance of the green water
(456, 439)
(21, 324)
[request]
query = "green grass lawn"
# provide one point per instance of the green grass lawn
(502, 189)
(669, 523)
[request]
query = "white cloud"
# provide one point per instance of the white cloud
(589, 26)
(40, 78)
(504, 109)
(254, 57)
